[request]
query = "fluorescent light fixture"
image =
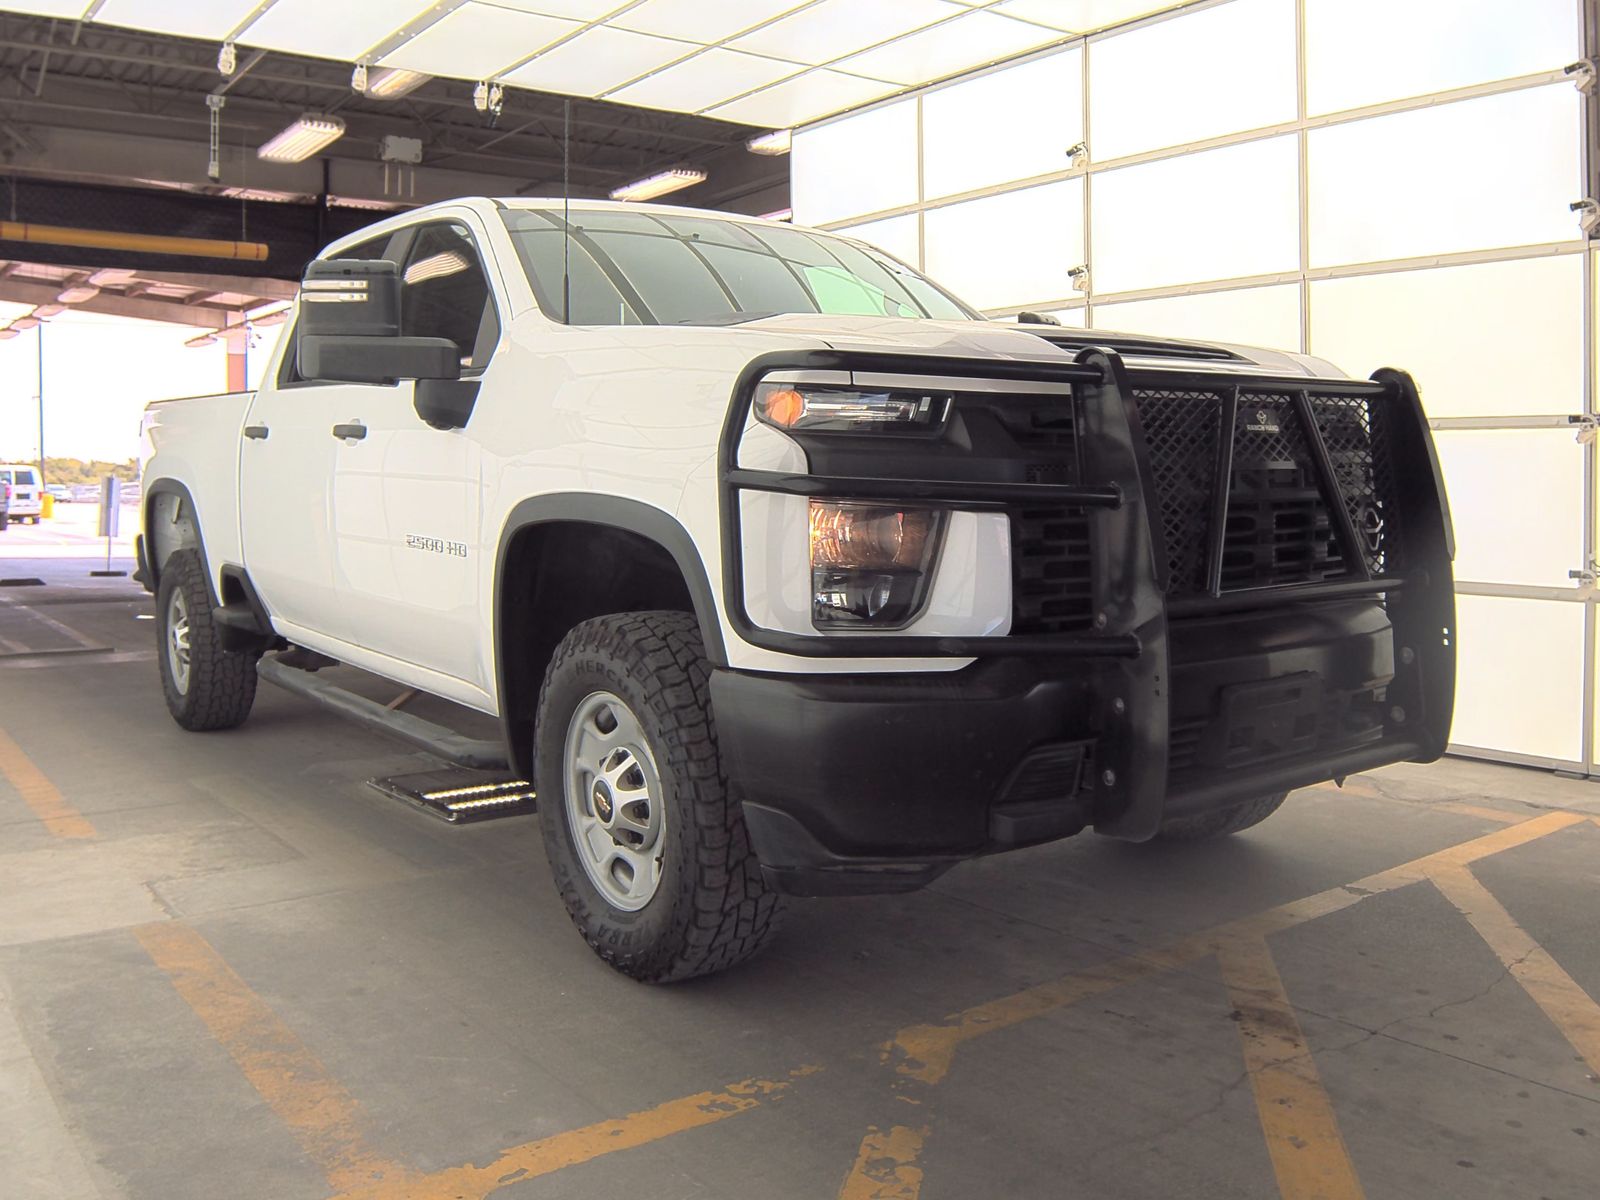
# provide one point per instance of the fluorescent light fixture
(112, 275)
(25, 322)
(45, 311)
(205, 339)
(659, 184)
(271, 318)
(779, 214)
(394, 82)
(263, 194)
(774, 143)
(77, 294)
(7, 334)
(310, 133)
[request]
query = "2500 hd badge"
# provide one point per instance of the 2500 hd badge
(416, 541)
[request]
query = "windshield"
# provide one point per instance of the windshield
(638, 268)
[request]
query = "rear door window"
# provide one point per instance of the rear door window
(28, 478)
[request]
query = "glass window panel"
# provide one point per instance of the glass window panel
(1011, 250)
(1221, 214)
(895, 235)
(1519, 680)
(1517, 500)
(1498, 171)
(1493, 339)
(1003, 126)
(861, 164)
(1361, 52)
(1268, 316)
(1193, 77)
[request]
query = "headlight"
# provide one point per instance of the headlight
(870, 564)
(808, 408)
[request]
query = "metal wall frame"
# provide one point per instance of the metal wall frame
(1585, 591)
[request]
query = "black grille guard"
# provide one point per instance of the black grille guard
(1127, 647)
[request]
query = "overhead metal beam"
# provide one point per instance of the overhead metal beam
(144, 308)
(267, 289)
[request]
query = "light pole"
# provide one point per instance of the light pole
(40, 397)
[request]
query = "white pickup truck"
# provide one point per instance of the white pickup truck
(785, 571)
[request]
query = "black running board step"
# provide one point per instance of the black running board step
(457, 795)
(449, 745)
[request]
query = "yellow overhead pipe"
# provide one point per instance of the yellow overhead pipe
(135, 243)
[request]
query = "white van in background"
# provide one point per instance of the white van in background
(27, 491)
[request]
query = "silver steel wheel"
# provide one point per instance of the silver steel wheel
(178, 641)
(614, 805)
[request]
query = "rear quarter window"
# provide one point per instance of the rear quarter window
(28, 478)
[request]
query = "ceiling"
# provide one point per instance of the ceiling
(771, 63)
(215, 303)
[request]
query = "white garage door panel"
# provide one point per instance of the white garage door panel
(1512, 496)
(1520, 676)
(1268, 316)
(1011, 249)
(1478, 174)
(1493, 339)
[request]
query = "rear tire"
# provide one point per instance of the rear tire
(206, 687)
(1222, 822)
(648, 849)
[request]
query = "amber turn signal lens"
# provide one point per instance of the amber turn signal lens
(784, 407)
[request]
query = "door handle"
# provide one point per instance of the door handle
(355, 429)
(256, 432)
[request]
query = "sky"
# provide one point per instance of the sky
(99, 373)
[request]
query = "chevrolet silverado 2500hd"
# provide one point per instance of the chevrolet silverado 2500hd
(786, 572)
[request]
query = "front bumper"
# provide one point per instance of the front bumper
(877, 783)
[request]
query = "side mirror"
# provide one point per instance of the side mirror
(349, 327)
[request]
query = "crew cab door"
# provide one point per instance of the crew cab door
(406, 541)
(286, 461)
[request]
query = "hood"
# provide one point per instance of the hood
(1005, 340)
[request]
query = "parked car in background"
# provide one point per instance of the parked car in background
(86, 493)
(61, 492)
(5, 505)
(27, 491)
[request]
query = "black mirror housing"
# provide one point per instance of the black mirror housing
(355, 359)
(349, 327)
(350, 297)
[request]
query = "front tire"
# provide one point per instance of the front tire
(206, 687)
(1222, 822)
(647, 847)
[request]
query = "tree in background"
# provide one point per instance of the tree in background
(74, 470)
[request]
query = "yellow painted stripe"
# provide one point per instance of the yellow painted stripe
(1308, 1152)
(533, 1159)
(1572, 1010)
(1478, 810)
(924, 1052)
(886, 1166)
(324, 1118)
(39, 794)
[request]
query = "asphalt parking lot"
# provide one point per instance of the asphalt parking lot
(230, 968)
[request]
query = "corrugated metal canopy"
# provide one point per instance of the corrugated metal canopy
(773, 63)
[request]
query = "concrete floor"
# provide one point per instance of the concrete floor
(228, 968)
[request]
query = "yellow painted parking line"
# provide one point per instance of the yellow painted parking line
(924, 1052)
(1572, 1010)
(324, 1118)
(886, 1166)
(1308, 1153)
(533, 1159)
(39, 794)
(1478, 810)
